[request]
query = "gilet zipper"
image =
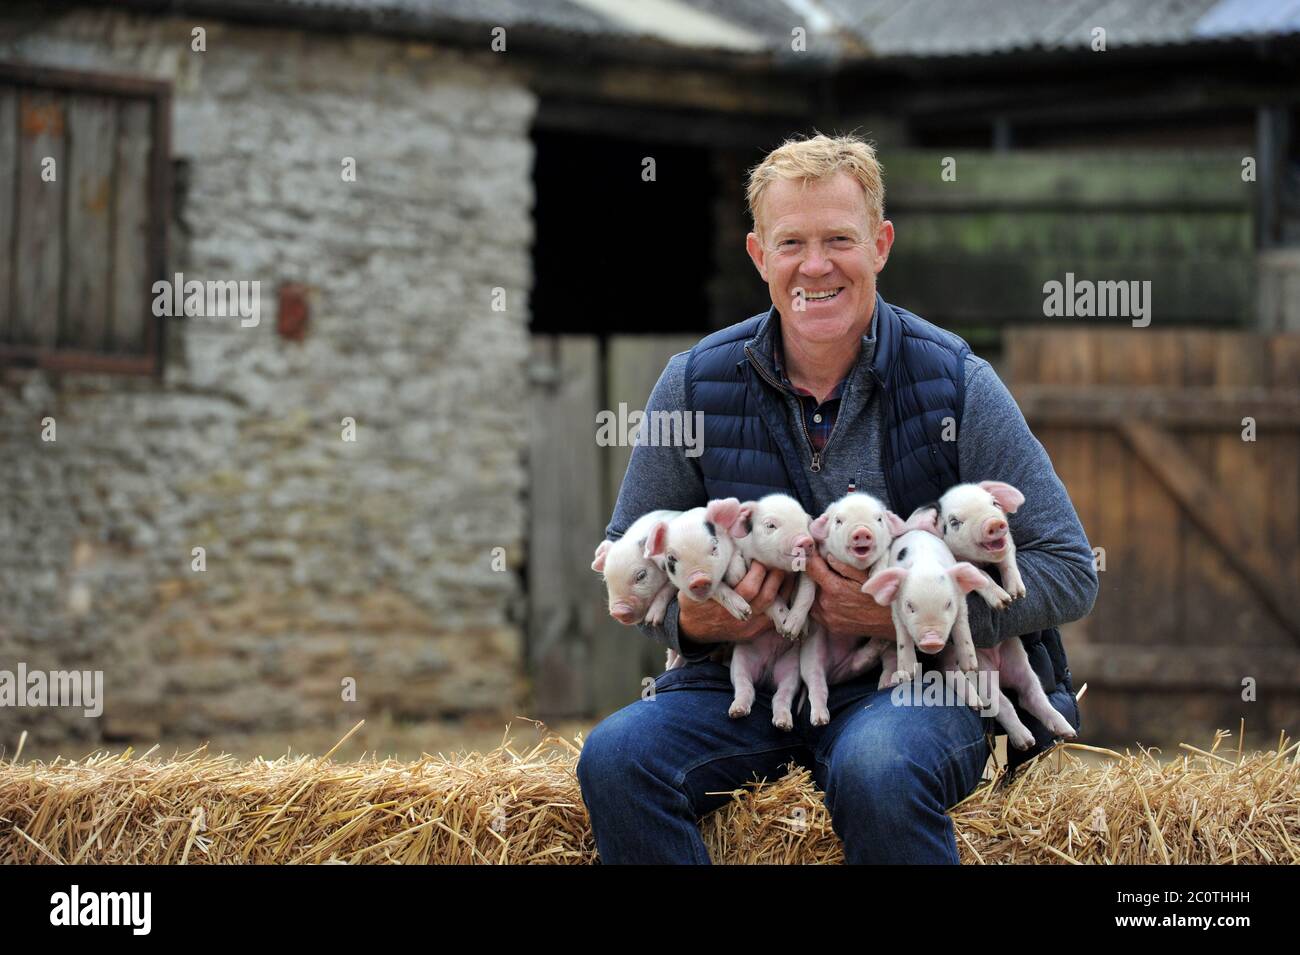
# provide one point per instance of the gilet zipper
(817, 456)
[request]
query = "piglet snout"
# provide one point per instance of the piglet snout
(802, 545)
(931, 641)
(995, 528)
(861, 537)
(623, 613)
(700, 584)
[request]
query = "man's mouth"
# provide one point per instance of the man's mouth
(823, 296)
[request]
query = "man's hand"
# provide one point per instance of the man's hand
(707, 621)
(841, 607)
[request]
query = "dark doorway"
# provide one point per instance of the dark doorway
(614, 254)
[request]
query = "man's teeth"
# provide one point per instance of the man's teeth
(821, 296)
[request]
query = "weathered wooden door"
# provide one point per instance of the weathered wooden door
(581, 662)
(1181, 452)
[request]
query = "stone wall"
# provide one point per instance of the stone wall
(326, 559)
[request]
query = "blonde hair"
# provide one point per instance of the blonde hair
(816, 158)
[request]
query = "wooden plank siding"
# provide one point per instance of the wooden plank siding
(79, 253)
(1144, 427)
(976, 251)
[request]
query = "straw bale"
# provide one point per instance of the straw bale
(503, 806)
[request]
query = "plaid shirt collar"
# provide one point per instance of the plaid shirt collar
(778, 358)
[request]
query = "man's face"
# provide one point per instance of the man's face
(816, 239)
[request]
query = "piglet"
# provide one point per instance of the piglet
(637, 586)
(856, 530)
(972, 519)
(700, 558)
(774, 531)
(703, 562)
(926, 587)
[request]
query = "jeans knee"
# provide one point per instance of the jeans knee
(879, 777)
(610, 755)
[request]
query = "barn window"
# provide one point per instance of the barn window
(84, 188)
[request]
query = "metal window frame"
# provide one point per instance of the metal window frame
(159, 94)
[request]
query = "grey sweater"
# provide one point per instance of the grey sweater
(993, 443)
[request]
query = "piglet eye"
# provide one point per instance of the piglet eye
(640, 577)
(910, 608)
(948, 605)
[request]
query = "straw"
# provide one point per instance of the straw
(503, 806)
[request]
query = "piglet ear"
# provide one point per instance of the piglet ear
(1004, 494)
(657, 542)
(740, 526)
(598, 565)
(722, 512)
(923, 519)
(968, 577)
(897, 526)
(884, 585)
(819, 527)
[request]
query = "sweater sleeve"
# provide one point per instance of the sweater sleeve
(1052, 551)
(662, 477)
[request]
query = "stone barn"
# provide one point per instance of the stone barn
(233, 517)
(305, 307)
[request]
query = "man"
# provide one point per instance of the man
(831, 390)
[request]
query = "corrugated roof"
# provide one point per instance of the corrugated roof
(1236, 18)
(949, 28)
(837, 29)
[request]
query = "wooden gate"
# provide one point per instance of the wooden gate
(1195, 515)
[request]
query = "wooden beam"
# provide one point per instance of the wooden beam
(1216, 408)
(1212, 510)
(1113, 666)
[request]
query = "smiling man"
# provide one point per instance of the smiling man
(831, 390)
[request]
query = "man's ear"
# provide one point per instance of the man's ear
(884, 242)
(757, 254)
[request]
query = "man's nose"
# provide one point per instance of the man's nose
(815, 263)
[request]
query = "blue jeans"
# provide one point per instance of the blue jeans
(889, 773)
